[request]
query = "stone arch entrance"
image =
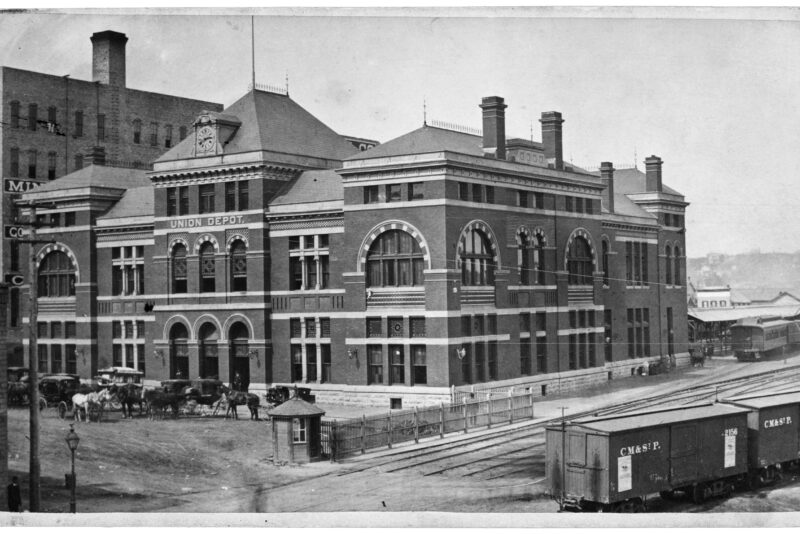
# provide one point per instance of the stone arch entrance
(239, 337)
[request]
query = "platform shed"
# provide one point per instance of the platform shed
(296, 436)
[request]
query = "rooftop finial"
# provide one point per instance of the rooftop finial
(635, 159)
(531, 130)
(424, 112)
(287, 82)
(253, 49)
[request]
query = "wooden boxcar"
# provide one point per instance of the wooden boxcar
(773, 432)
(755, 338)
(613, 463)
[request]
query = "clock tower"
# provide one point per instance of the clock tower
(212, 131)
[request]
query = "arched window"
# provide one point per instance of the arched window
(669, 265)
(238, 266)
(179, 351)
(394, 259)
(240, 354)
(677, 270)
(137, 131)
(606, 277)
(208, 270)
(56, 276)
(207, 351)
(524, 260)
(579, 262)
(539, 267)
(477, 261)
(179, 269)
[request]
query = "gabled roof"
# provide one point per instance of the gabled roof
(136, 202)
(296, 407)
(311, 186)
(630, 181)
(424, 140)
(276, 123)
(97, 176)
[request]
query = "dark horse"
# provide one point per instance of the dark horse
(241, 398)
(158, 401)
(128, 395)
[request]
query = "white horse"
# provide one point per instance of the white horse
(88, 401)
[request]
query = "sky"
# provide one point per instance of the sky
(715, 92)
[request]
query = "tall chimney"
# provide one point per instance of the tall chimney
(494, 127)
(551, 138)
(607, 176)
(108, 58)
(652, 166)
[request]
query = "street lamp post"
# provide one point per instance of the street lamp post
(72, 440)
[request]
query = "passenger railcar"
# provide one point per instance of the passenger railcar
(613, 463)
(756, 338)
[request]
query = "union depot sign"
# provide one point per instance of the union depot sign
(215, 220)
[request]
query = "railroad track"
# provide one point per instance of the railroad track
(517, 452)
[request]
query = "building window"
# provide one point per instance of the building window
(477, 261)
(524, 260)
(32, 164)
(179, 269)
(579, 262)
(606, 278)
(13, 163)
(101, 127)
(371, 194)
(51, 165)
(669, 265)
(297, 363)
(13, 307)
(394, 259)
(137, 131)
(42, 330)
(238, 266)
(168, 136)
(480, 363)
(153, 134)
(466, 365)
(492, 357)
(69, 218)
(208, 271)
(397, 373)
(295, 329)
(538, 200)
(179, 351)
(325, 358)
(463, 191)
(127, 264)
(419, 363)
(522, 199)
(32, 116)
(78, 124)
(636, 263)
(116, 355)
(525, 356)
(14, 122)
(489, 194)
(43, 360)
(311, 363)
(309, 262)
(72, 359)
(311, 327)
(477, 193)
(677, 270)
(236, 196)
(608, 334)
(541, 354)
(55, 330)
(394, 192)
(374, 327)
(206, 198)
(14, 250)
(299, 430)
(374, 364)
(417, 326)
(416, 191)
(325, 327)
(177, 200)
(638, 332)
(56, 276)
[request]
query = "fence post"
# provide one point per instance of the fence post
(363, 433)
(332, 441)
(389, 436)
(489, 400)
(531, 403)
(416, 425)
(441, 421)
(452, 394)
(465, 415)
(510, 408)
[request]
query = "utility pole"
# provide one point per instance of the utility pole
(563, 460)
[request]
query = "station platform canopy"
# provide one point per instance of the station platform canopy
(721, 315)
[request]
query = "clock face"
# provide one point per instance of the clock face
(206, 138)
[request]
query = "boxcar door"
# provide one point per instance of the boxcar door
(576, 463)
(683, 454)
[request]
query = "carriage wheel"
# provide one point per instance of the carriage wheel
(62, 410)
(42, 404)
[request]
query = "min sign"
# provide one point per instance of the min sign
(13, 185)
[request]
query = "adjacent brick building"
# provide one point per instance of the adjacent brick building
(268, 245)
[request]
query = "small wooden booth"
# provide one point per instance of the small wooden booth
(296, 436)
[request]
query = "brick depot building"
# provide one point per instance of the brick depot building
(267, 244)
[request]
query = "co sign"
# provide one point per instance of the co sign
(15, 232)
(15, 279)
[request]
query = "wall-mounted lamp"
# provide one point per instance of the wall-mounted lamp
(82, 354)
(253, 354)
(461, 352)
(158, 353)
(352, 354)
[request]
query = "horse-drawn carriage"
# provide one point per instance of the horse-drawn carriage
(57, 390)
(18, 386)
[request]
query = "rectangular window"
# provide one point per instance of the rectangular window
(41, 330)
(14, 114)
(466, 365)
(480, 363)
(32, 164)
(137, 131)
(645, 277)
(14, 250)
(573, 351)
(295, 330)
(541, 354)
(573, 319)
(140, 329)
(568, 204)
(32, 116)
(607, 334)
(463, 191)
(395, 327)
(371, 194)
(415, 191)
(394, 193)
(525, 357)
(629, 263)
(299, 430)
(206, 198)
(646, 331)
(477, 193)
(538, 199)
(183, 200)
(325, 355)
(116, 329)
(541, 321)
(325, 272)
(69, 218)
(172, 201)
(70, 351)
(70, 331)
(13, 163)
(311, 327)
(128, 329)
(51, 165)
(489, 194)
(244, 195)
(466, 325)
(417, 326)
(294, 242)
(396, 365)
(13, 306)
(55, 359)
(311, 272)
(297, 363)
(153, 134)
(55, 330)
(116, 355)
(168, 136)
(419, 364)
(374, 327)
(311, 363)
(295, 274)
(78, 124)
(140, 359)
(493, 360)
(116, 280)
(522, 199)
(524, 322)
(374, 364)
(631, 335)
(230, 196)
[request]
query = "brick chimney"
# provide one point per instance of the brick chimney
(652, 166)
(494, 127)
(108, 58)
(607, 176)
(551, 139)
(95, 155)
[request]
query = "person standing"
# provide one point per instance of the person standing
(14, 496)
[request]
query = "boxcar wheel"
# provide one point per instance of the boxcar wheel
(62, 410)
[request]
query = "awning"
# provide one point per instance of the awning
(716, 315)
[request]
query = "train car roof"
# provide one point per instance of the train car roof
(766, 400)
(654, 418)
(761, 321)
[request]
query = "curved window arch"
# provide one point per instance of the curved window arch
(606, 275)
(395, 259)
(238, 262)
(179, 351)
(208, 335)
(579, 262)
(676, 254)
(524, 254)
(539, 267)
(179, 268)
(208, 269)
(239, 336)
(56, 276)
(669, 265)
(477, 260)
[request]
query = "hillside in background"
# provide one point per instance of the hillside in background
(757, 275)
